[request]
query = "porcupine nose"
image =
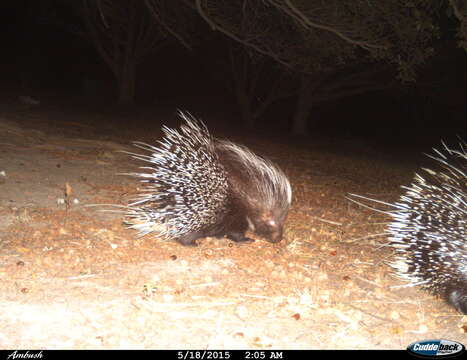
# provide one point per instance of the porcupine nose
(276, 235)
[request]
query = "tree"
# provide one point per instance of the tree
(176, 18)
(249, 72)
(324, 38)
(459, 10)
(123, 33)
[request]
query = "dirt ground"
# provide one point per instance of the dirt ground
(73, 277)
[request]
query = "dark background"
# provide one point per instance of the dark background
(44, 58)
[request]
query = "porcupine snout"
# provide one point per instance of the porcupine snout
(268, 226)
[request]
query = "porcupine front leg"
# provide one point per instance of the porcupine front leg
(190, 239)
(457, 297)
(239, 237)
(235, 229)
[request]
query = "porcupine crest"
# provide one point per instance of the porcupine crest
(262, 188)
(429, 229)
(185, 187)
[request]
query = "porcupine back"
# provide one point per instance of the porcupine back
(429, 229)
(185, 187)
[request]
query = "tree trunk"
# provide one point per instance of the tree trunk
(243, 99)
(303, 108)
(248, 117)
(126, 82)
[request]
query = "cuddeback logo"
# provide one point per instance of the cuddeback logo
(433, 348)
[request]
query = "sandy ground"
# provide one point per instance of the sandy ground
(72, 276)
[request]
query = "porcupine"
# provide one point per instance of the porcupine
(197, 186)
(428, 229)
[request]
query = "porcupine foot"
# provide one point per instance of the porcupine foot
(458, 298)
(190, 239)
(239, 237)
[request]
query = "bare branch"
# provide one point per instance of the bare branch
(151, 5)
(312, 36)
(306, 22)
(230, 34)
(456, 6)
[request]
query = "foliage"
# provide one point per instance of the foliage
(320, 35)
